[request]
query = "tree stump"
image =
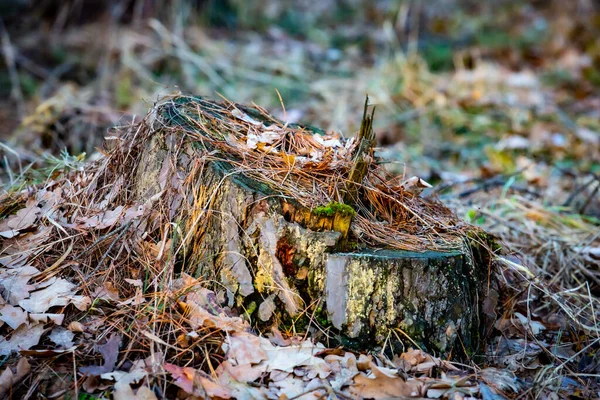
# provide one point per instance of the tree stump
(283, 260)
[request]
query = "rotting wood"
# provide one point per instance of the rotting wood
(308, 267)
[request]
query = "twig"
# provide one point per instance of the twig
(127, 225)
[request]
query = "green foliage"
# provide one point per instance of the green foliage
(439, 56)
(63, 163)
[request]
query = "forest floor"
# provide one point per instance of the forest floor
(497, 108)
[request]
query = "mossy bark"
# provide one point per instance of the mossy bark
(275, 262)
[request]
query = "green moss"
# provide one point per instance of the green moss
(250, 310)
(322, 317)
(334, 208)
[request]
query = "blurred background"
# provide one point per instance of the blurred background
(432, 67)
(494, 102)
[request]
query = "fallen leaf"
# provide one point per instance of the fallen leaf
(14, 283)
(123, 391)
(24, 218)
(8, 378)
(76, 326)
(62, 337)
(44, 318)
(108, 292)
(59, 293)
(13, 316)
(244, 348)
(198, 316)
(383, 385)
(110, 353)
(22, 338)
(196, 383)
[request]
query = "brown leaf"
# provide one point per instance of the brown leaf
(62, 337)
(8, 378)
(13, 316)
(384, 385)
(60, 293)
(76, 327)
(103, 220)
(24, 218)
(107, 292)
(198, 316)
(245, 348)
(196, 383)
(22, 338)
(123, 391)
(110, 353)
(13, 283)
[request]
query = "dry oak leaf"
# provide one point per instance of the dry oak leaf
(13, 283)
(291, 357)
(123, 391)
(198, 316)
(62, 337)
(244, 348)
(415, 360)
(196, 383)
(384, 385)
(8, 378)
(102, 220)
(59, 293)
(24, 218)
(22, 338)
(13, 316)
(110, 353)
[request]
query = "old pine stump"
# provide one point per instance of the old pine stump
(304, 230)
